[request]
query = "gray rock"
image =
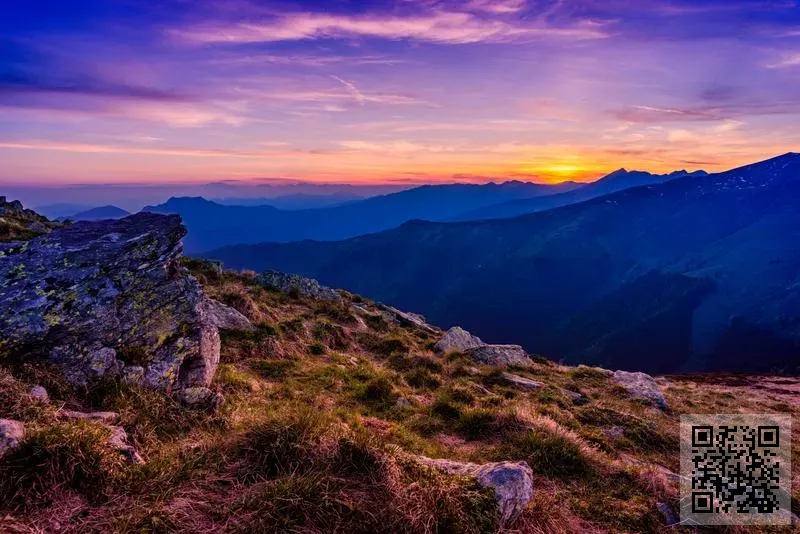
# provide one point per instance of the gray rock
(641, 386)
(307, 287)
(11, 434)
(201, 396)
(100, 297)
(133, 374)
(512, 483)
(614, 432)
(522, 382)
(499, 355)
(118, 439)
(457, 339)
(39, 393)
(215, 313)
(407, 319)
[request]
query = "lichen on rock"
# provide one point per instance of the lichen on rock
(111, 298)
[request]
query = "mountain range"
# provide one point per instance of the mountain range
(695, 273)
(212, 225)
(616, 181)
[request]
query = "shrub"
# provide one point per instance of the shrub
(287, 442)
(476, 423)
(75, 456)
(337, 311)
(377, 391)
(377, 323)
(316, 348)
(547, 453)
(422, 378)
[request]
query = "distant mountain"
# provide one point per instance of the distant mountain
(212, 225)
(696, 273)
(61, 210)
(616, 181)
(100, 213)
(292, 202)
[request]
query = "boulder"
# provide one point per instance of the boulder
(521, 381)
(39, 393)
(11, 433)
(641, 386)
(307, 287)
(499, 355)
(457, 339)
(512, 483)
(407, 319)
(111, 297)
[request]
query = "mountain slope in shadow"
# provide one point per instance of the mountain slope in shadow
(663, 277)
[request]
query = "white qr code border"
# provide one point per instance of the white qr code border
(701, 505)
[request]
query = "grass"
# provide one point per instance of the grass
(313, 437)
(72, 456)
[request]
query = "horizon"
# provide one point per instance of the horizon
(404, 93)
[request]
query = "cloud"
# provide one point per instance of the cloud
(352, 89)
(787, 60)
(707, 112)
(90, 148)
(443, 27)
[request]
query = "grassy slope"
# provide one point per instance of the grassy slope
(323, 402)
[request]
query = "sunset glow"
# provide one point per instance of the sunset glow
(409, 91)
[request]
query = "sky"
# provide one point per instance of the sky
(392, 91)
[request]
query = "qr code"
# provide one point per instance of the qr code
(736, 469)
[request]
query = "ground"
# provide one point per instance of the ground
(325, 404)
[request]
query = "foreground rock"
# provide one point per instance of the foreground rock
(457, 339)
(406, 318)
(11, 433)
(117, 438)
(110, 297)
(18, 223)
(499, 355)
(292, 283)
(641, 386)
(512, 483)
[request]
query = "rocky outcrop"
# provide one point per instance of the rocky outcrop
(16, 222)
(512, 483)
(457, 339)
(11, 433)
(499, 355)
(292, 283)
(641, 386)
(111, 297)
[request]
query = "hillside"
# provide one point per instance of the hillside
(616, 181)
(322, 411)
(213, 225)
(695, 273)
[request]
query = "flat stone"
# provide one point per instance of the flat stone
(522, 382)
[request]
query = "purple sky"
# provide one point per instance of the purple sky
(405, 91)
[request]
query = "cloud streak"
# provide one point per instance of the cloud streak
(441, 27)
